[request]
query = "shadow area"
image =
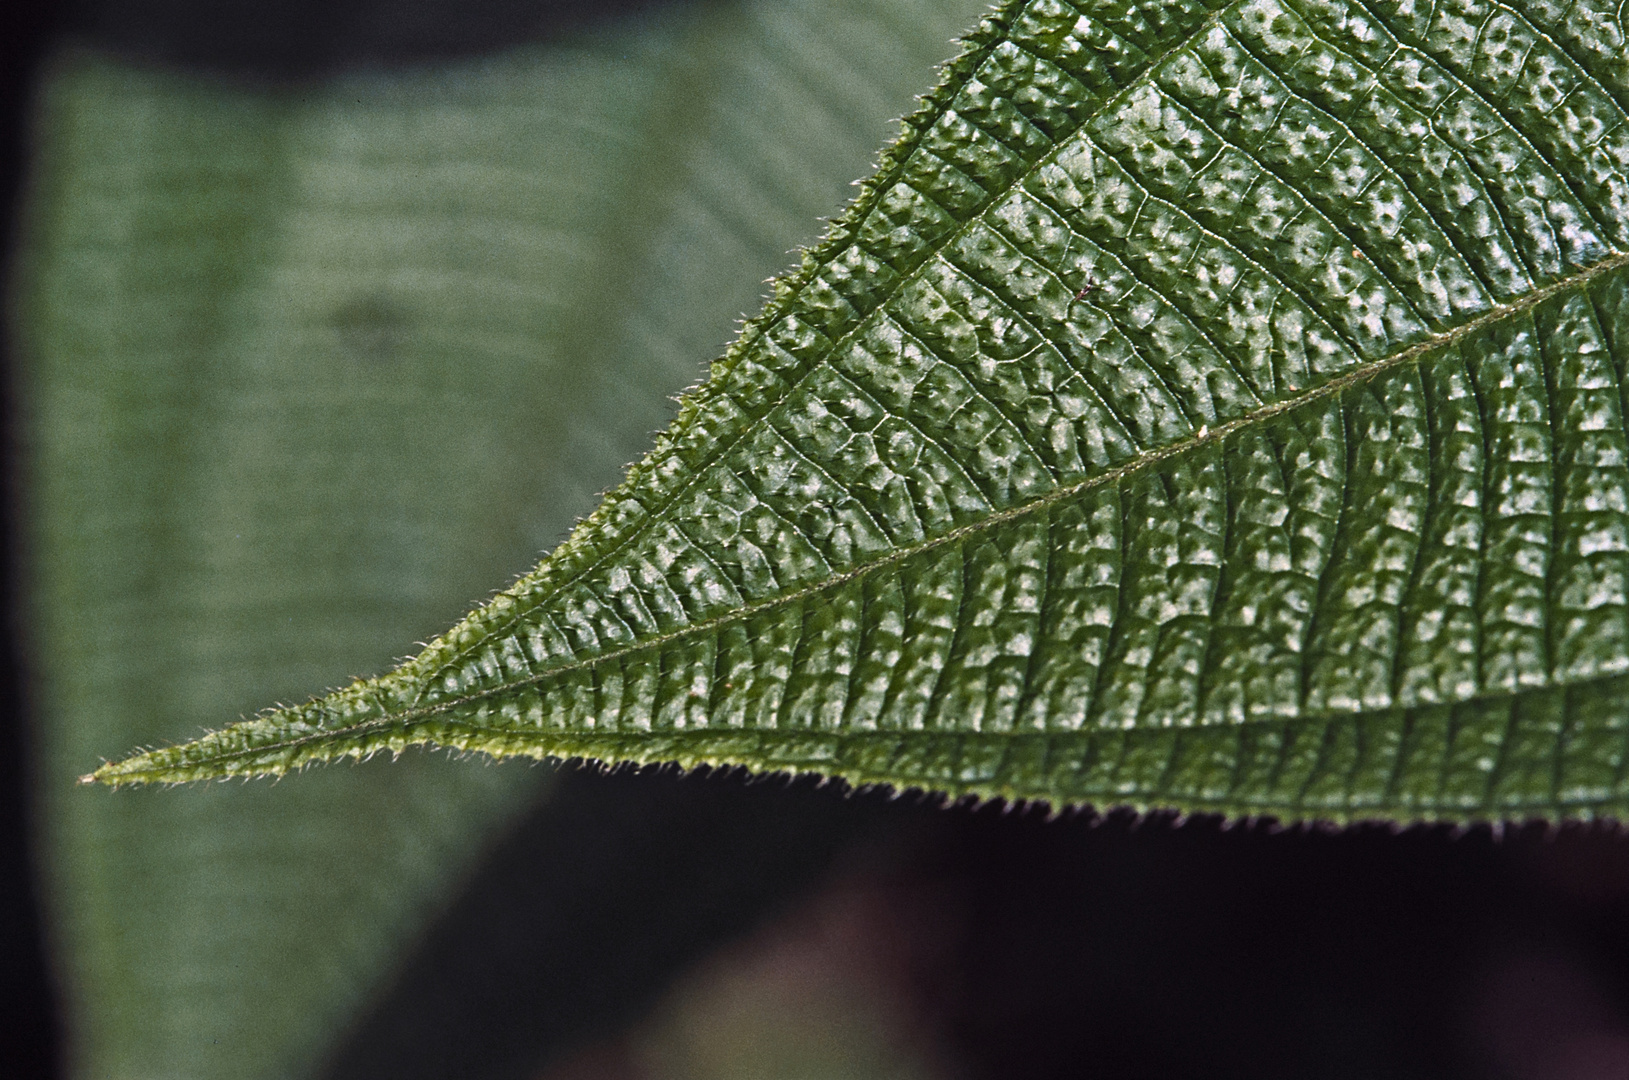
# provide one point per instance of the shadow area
(580, 918)
(1012, 942)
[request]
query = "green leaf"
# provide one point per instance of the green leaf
(1217, 407)
(304, 378)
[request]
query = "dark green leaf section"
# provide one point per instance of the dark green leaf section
(1542, 754)
(1208, 407)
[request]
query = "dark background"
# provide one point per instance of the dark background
(30, 1021)
(1019, 944)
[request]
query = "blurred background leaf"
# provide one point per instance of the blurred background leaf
(311, 364)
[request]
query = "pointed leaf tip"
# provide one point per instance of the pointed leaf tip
(1312, 503)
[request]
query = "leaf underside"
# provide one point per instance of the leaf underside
(1217, 407)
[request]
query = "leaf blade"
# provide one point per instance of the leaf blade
(1104, 290)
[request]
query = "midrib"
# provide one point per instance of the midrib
(1150, 459)
(570, 742)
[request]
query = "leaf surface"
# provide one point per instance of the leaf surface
(302, 382)
(1216, 406)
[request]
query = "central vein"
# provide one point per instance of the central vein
(1147, 460)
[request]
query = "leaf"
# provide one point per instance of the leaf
(1216, 407)
(301, 382)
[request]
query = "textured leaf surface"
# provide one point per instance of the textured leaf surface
(306, 377)
(1208, 406)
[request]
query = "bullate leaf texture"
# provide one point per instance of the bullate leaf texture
(1211, 406)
